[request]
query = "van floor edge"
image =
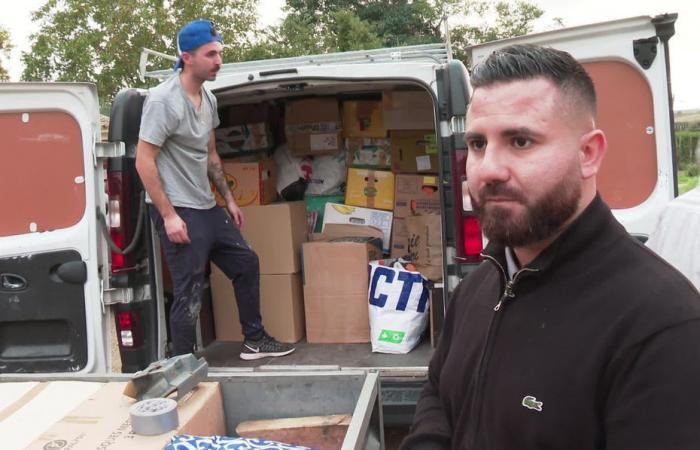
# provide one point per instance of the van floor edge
(225, 354)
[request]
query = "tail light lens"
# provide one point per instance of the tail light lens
(129, 329)
(467, 226)
(119, 213)
(473, 242)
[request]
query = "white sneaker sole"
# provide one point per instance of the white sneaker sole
(254, 356)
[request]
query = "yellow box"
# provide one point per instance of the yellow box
(370, 188)
(363, 119)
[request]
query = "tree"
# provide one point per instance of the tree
(5, 47)
(100, 41)
(316, 26)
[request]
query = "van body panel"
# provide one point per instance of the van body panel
(51, 320)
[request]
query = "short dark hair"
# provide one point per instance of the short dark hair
(528, 61)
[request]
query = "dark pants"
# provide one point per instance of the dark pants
(214, 237)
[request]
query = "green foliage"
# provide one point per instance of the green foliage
(100, 41)
(686, 143)
(5, 47)
(318, 26)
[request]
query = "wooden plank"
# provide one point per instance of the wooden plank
(322, 432)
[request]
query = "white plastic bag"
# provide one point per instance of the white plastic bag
(328, 174)
(398, 307)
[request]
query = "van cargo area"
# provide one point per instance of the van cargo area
(362, 112)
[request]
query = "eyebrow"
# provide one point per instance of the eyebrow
(508, 132)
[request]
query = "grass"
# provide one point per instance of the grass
(686, 182)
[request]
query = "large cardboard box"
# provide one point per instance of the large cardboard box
(416, 194)
(414, 151)
(363, 119)
(281, 307)
(276, 232)
(369, 153)
(408, 110)
(252, 183)
(346, 214)
(248, 127)
(103, 421)
(238, 138)
(313, 126)
(336, 282)
(370, 188)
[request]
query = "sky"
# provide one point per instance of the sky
(685, 45)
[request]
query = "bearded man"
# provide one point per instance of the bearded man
(571, 334)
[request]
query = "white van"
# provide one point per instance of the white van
(63, 292)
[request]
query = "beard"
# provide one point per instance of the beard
(541, 219)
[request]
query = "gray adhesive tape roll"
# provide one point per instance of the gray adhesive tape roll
(153, 416)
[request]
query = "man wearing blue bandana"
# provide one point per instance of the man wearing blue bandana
(176, 160)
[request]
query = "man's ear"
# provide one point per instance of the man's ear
(186, 57)
(592, 147)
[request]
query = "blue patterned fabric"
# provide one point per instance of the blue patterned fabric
(187, 442)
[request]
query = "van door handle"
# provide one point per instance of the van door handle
(12, 282)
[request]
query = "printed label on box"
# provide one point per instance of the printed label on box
(323, 142)
(423, 162)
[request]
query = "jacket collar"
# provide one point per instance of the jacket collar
(594, 228)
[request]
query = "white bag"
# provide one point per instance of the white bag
(328, 174)
(398, 308)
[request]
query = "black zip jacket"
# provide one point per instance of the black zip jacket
(594, 345)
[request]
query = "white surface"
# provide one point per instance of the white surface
(41, 412)
(677, 235)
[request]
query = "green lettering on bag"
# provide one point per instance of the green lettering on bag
(391, 336)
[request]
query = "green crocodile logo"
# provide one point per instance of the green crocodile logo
(531, 402)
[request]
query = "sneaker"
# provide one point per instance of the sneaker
(265, 347)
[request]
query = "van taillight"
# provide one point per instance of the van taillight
(468, 236)
(473, 242)
(129, 329)
(119, 213)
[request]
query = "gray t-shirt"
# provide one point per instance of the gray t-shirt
(170, 121)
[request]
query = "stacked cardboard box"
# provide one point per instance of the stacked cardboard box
(245, 128)
(313, 126)
(276, 233)
(415, 194)
(251, 183)
(336, 282)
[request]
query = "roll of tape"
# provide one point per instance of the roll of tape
(153, 416)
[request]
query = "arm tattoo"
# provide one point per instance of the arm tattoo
(216, 175)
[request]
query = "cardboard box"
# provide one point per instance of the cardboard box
(252, 183)
(103, 421)
(414, 151)
(370, 188)
(313, 127)
(416, 194)
(276, 232)
(408, 110)
(336, 282)
(281, 307)
(248, 113)
(425, 244)
(399, 238)
(369, 153)
(363, 119)
(239, 138)
(346, 214)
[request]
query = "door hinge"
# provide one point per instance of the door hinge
(113, 296)
(109, 149)
(645, 51)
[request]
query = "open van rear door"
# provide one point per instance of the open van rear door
(51, 317)
(628, 61)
